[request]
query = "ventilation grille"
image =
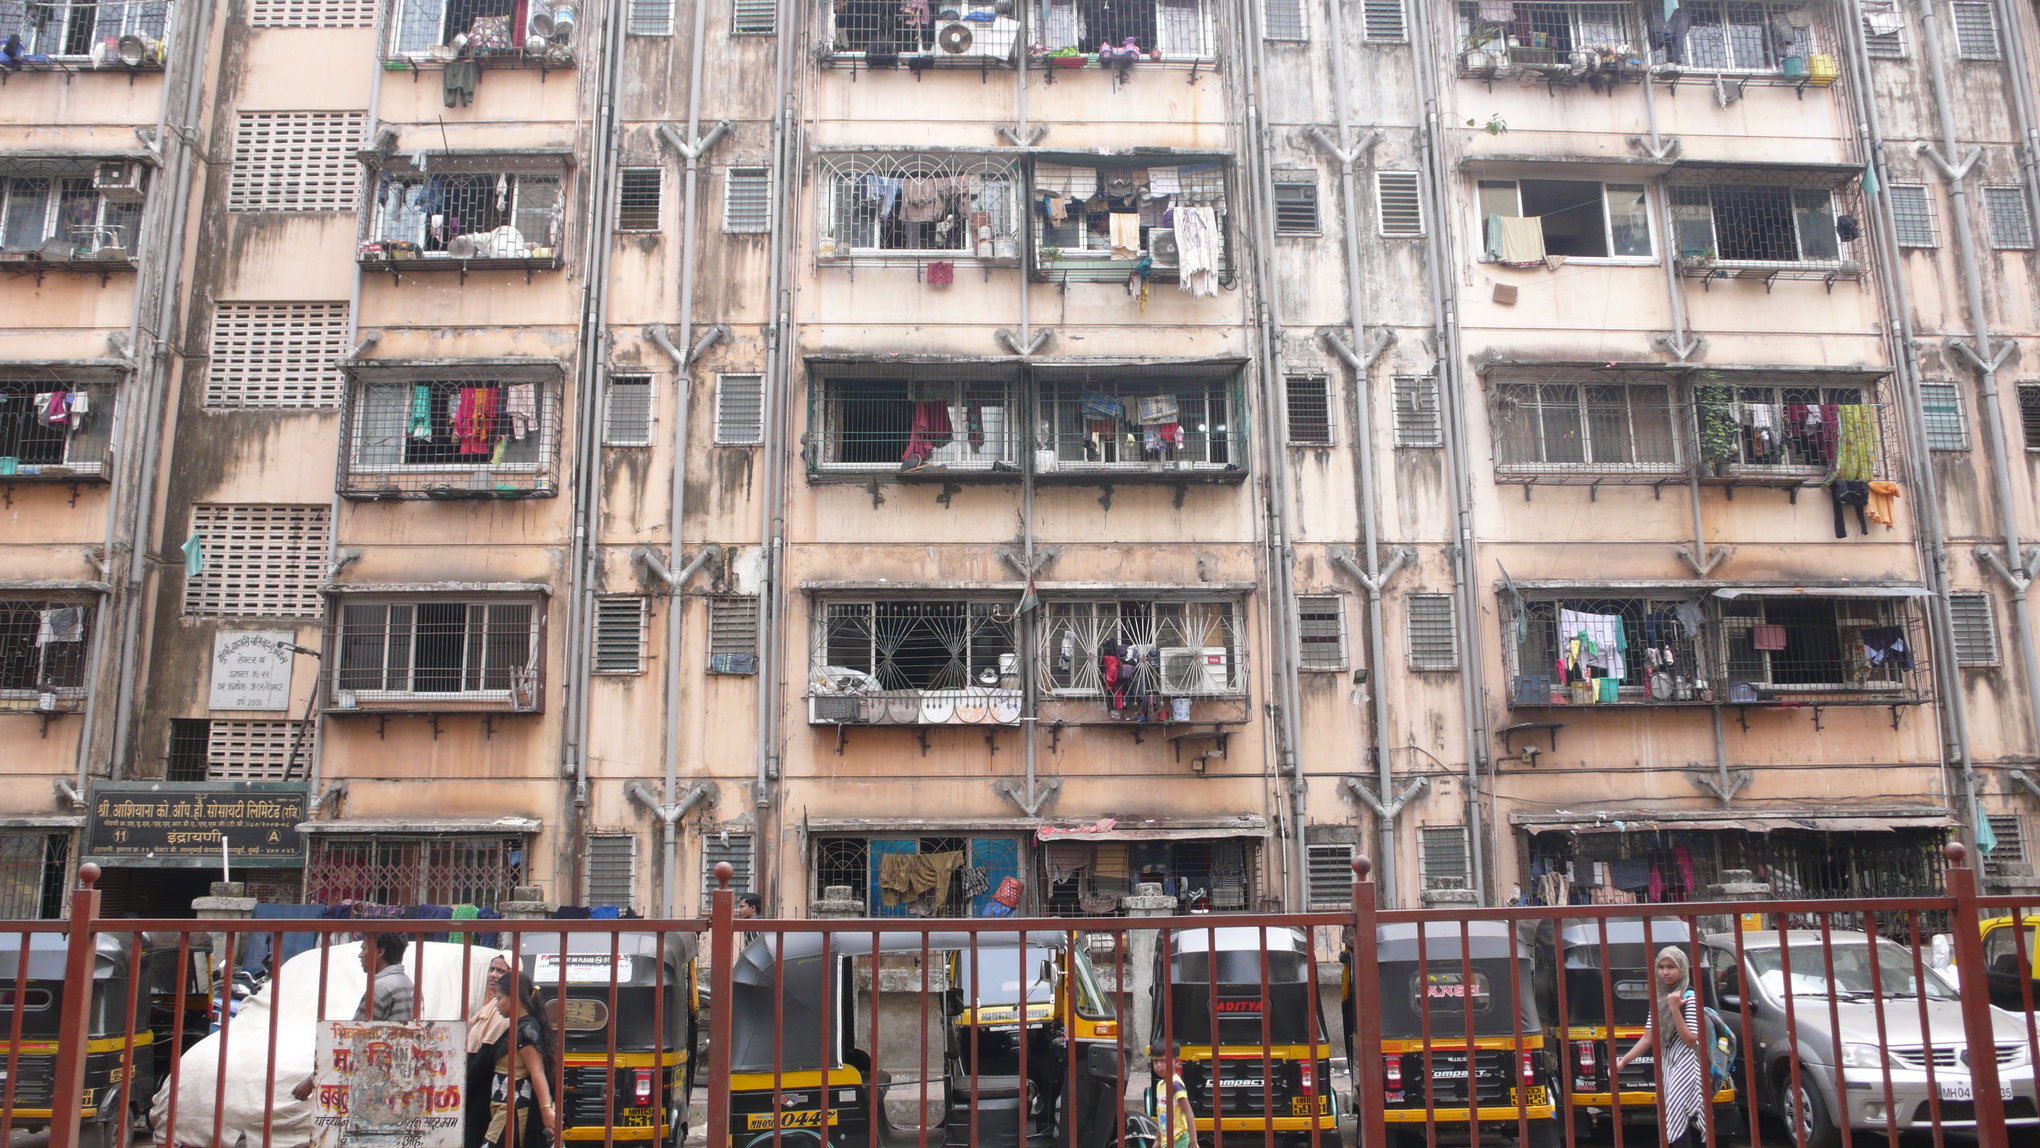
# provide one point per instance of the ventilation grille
(639, 209)
(1975, 630)
(1416, 411)
(2029, 413)
(276, 355)
(1310, 410)
(1976, 34)
(2010, 831)
(312, 14)
(1282, 19)
(1402, 212)
(754, 17)
(733, 635)
(740, 409)
(2011, 228)
(257, 750)
(628, 421)
(295, 161)
(1320, 633)
(1383, 20)
(260, 562)
(1913, 214)
(651, 17)
(1941, 403)
(745, 203)
(1443, 857)
(1432, 645)
(734, 848)
(1331, 876)
(612, 869)
(619, 635)
(1296, 209)
(1883, 29)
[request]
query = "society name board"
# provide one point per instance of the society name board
(169, 824)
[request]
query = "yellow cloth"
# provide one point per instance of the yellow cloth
(1883, 499)
(1125, 234)
(1522, 239)
(908, 875)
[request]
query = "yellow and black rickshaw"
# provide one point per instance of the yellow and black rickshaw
(641, 1094)
(1511, 1070)
(1620, 972)
(118, 1085)
(1273, 1056)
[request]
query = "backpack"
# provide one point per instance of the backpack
(1721, 1051)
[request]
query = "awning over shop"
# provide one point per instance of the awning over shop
(416, 825)
(1753, 823)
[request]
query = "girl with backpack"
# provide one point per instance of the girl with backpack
(1681, 1077)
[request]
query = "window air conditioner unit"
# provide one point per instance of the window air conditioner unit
(1162, 248)
(1194, 670)
(119, 180)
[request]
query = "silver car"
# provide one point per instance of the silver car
(1865, 1063)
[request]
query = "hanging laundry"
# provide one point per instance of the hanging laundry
(61, 624)
(476, 424)
(931, 431)
(1856, 444)
(1197, 247)
(194, 555)
(1522, 242)
(52, 408)
(1125, 231)
(496, 455)
(520, 408)
(1601, 639)
(457, 84)
(941, 273)
(502, 191)
(1767, 637)
(1882, 504)
(421, 412)
(1856, 494)
(1887, 645)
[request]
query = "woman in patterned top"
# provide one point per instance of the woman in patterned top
(1681, 1080)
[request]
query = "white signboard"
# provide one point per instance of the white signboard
(251, 670)
(381, 1085)
(582, 969)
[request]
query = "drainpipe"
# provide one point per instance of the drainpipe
(669, 814)
(2012, 35)
(675, 584)
(1384, 808)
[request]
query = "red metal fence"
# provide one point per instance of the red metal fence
(1397, 1027)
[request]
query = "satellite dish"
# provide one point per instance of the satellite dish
(955, 39)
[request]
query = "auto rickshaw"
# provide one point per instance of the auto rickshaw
(1512, 1070)
(640, 1092)
(118, 1085)
(822, 1079)
(1273, 1054)
(2005, 971)
(1621, 972)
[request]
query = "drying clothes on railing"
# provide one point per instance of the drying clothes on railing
(1884, 645)
(63, 624)
(1065, 859)
(1200, 183)
(1883, 503)
(1764, 637)
(1856, 444)
(1856, 494)
(905, 876)
(1125, 234)
(931, 431)
(1197, 250)
(520, 408)
(475, 425)
(421, 412)
(1516, 240)
(1599, 639)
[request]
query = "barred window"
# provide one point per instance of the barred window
(1942, 405)
(438, 653)
(1331, 876)
(2011, 225)
(733, 634)
(754, 17)
(189, 750)
(1310, 410)
(1141, 426)
(627, 421)
(1442, 858)
(717, 848)
(620, 635)
(740, 409)
(217, 749)
(1747, 35)
(276, 355)
(915, 645)
(1579, 219)
(1433, 638)
(1883, 29)
(1399, 207)
(44, 644)
(2029, 414)
(1383, 20)
(1321, 633)
(651, 18)
(1976, 31)
(1913, 213)
(1417, 421)
(1282, 19)
(421, 869)
(878, 34)
(1179, 29)
(746, 206)
(450, 438)
(1296, 208)
(296, 161)
(639, 207)
(260, 561)
(612, 870)
(916, 425)
(1645, 650)
(1586, 426)
(1975, 629)
(63, 217)
(1188, 648)
(1811, 646)
(62, 449)
(872, 205)
(450, 218)
(312, 14)
(1549, 32)
(491, 28)
(1771, 223)
(34, 874)
(75, 29)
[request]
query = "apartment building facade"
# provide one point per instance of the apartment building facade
(989, 455)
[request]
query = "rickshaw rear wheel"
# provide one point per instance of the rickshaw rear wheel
(101, 1134)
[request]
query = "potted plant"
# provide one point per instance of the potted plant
(1720, 438)
(1068, 57)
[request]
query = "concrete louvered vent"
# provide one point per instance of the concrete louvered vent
(260, 562)
(296, 161)
(276, 355)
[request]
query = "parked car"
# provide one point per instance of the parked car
(1848, 1058)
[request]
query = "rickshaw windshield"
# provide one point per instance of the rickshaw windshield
(1408, 990)
(999, 974)
(1240, 968)
(1092, 1002)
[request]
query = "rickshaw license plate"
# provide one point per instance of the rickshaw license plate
(1300, 1105)
(638, 1117)
(1537, 1098)
(813, 1119)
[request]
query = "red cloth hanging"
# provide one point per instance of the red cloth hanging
(477, 420)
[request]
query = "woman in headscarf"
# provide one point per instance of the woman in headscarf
(1681, 1078)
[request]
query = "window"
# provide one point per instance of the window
(651, 18)
(296, 161)
(424, 869)
(312, 14)
(717, 848)
(1914, 215)
(1296, 208)
(1282, 19)
(44, 644)
(2029, 414)
(1417, 420)
(1755, 223)
(1383, 20)
(740, 409)
(754, 17)
(878, 34)
(858, 864)
(733, 634)
(438, 653)
(1747, 35)
(261, 561)
(1433, 640)
(2011, 226)
(1547, 32)
(61, 217)
(620, 635)
(628, 419)
(1976, 33)
(1180, 29)
(190, 743)
(746, 206)
(276, 355)
(924, 662)
(916, 425)
(1581, 219)
(74, 441)
(446, 218)
(492, 28)
(1331, 876)
(75, 29)
(1074, 239)
(1942, 404)
(1587, 427)
(2009, 829)
(912, 203)
(1442, 860)
(450, 438)
(638, 209)
(1188, 648)
(1321, 633)
(1140, 426)
(219, 750)
(1883, 29)
(1817, 645)
(1310, 410)
(612, 870)
(34, 874)
(1975, 629)
(1796, 429)
(1645, 650)
(1399, 208)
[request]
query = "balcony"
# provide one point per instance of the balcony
(928, 211)
(1098, 425)
(1744, 222)
(468, 213)
(1106, 222)
(67, 213)
(418, 649)
(45, 645)
(1727, 44)
(460, 429)
(56, 422)
(491, 33)
(83, 35)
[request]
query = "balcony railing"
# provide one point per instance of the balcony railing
(445, 437)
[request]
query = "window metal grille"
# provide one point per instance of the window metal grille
(746, 199)
(754, 17)
(881, 34)
(1547, 33)
(77, 29)
(276, 355)
(1942, 405)
(916, 205)
(620, 635)
(43, 446)
(2029, 414)
(1156, 425)
(2010, 831)
(1760, 223)
(1655, 650)
(1164, 648)
(1913, 214)
(717, 848)
(438, 654)
(1180, 29)
(1079, 246)
(1976, 33)
(1433, 639)
(260, 561)
(190, 750)
(1321, 632)
(1815, 646)
(841, 861)
(914, 663)
(1310, 410)
(733, 634)
(32, 875)
(1748, 35)
(639, 209)
(1586, 427)
(1383, 20)
(482, 28)
(651, 18)
(1975, 629)
(61, 217)
(1791, 432)
(740, 409)
(1296, 209)
(429, 869)
(471, 217)
(1417, 421)
(296, 161)
(255, 750)
(450, 438)
(1331, 876)
(44, 643)
(1579, 219)
(1442, 859)
(1399, 207)
(960, 425)
(612, 870)
(1884, 29)
(312, 14)
(1282, 19)
(627, 421)
(2011, 225)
